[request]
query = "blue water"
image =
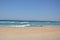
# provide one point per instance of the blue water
(28, 23)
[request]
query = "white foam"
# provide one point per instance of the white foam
(23, 25)
(24, 22)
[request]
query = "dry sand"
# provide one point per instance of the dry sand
(30, 33)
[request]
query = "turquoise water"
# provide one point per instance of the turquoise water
(27, 23)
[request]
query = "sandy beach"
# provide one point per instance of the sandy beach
(30, 33)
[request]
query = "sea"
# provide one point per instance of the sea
(27, 23)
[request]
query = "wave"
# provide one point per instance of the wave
(7, 22)
(23, 22)
(12, 22)
(27, 25)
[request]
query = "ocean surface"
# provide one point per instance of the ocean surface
(27, 23)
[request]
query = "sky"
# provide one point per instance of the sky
(30, 10)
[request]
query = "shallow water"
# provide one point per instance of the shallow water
(21, 23)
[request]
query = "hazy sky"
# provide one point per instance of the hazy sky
(30, 9)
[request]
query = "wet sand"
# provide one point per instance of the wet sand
(30, 33)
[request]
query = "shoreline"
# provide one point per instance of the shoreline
(29, 26)
(30, 33)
